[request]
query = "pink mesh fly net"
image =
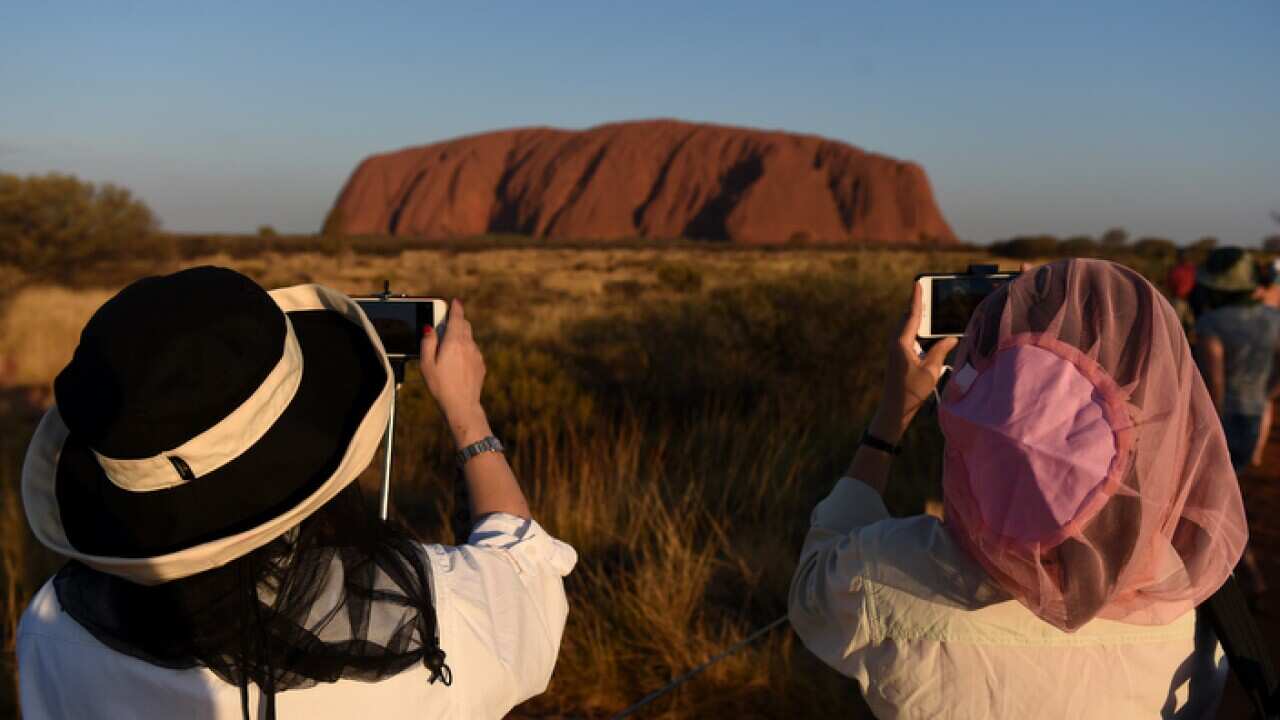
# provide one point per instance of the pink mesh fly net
(1086, 469)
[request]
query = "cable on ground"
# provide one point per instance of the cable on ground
(699, 669)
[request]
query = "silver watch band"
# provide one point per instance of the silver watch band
(489, 444)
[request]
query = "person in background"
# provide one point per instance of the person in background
(1179, 283)
(1237, 342)
(1090, 507)
(1268, 294)
(1269, 280)
(199, 471)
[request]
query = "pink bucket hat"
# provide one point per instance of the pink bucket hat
(1086, 468)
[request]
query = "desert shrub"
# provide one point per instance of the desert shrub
(680, 277)
(195, 245)
(530, 393)
(332, 244)
(1026, 247)
(800, 238)
(267, 239)
(801, 340)
(1079, 246)
(1155, 247)
(1205, 244)
(51, 223)
(624, 288)
(1115, 238)
(1153, 267)
(383, 245)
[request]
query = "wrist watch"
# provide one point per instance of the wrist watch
(489, 444)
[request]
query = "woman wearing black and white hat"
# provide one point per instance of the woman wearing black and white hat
(197, 469)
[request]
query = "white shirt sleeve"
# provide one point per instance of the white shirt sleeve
(829, 604)
(501, 607)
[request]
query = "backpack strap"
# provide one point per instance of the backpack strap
(1228, 614)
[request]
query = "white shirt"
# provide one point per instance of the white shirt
(898, 605)
(500, 607)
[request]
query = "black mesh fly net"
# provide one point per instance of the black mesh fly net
(342, 596)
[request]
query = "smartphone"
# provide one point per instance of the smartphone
(401, 320)
(948, 300)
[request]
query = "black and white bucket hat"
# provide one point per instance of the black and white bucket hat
(200, 418)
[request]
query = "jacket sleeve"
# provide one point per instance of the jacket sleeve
(503, 594)
(830, 603)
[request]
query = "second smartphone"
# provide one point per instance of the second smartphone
(400, 321)
(948, 300)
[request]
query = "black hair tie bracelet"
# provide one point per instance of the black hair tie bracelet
(876, 443)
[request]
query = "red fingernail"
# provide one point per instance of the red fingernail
(426, 330)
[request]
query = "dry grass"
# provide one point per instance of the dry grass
(674, 415)
(39, 331)
(525, 293)
(677, 568)
(24, 563)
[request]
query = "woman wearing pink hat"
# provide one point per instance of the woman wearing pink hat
(1090, 507)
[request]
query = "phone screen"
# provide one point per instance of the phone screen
(399, 323)
(956, 298)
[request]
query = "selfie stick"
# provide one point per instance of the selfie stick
(397, 367)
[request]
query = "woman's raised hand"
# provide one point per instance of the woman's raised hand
(909, 377)
(454, 371)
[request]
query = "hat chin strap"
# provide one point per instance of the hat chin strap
(223, 442)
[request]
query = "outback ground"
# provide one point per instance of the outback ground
(1261, 487)
(674, 413)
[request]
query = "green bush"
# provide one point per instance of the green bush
(50, 224)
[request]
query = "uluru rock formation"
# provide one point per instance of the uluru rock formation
(654, 179)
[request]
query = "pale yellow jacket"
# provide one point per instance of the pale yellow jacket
(897, 605)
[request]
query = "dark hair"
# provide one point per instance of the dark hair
(262, 617)
(1223, 259)
(1220, 261)
(1203, 299)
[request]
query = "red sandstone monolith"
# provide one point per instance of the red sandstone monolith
(650, 179)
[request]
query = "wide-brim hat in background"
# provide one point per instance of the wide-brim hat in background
(200, 418)
(1228, 269)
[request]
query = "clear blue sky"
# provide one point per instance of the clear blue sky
(1061, 117)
